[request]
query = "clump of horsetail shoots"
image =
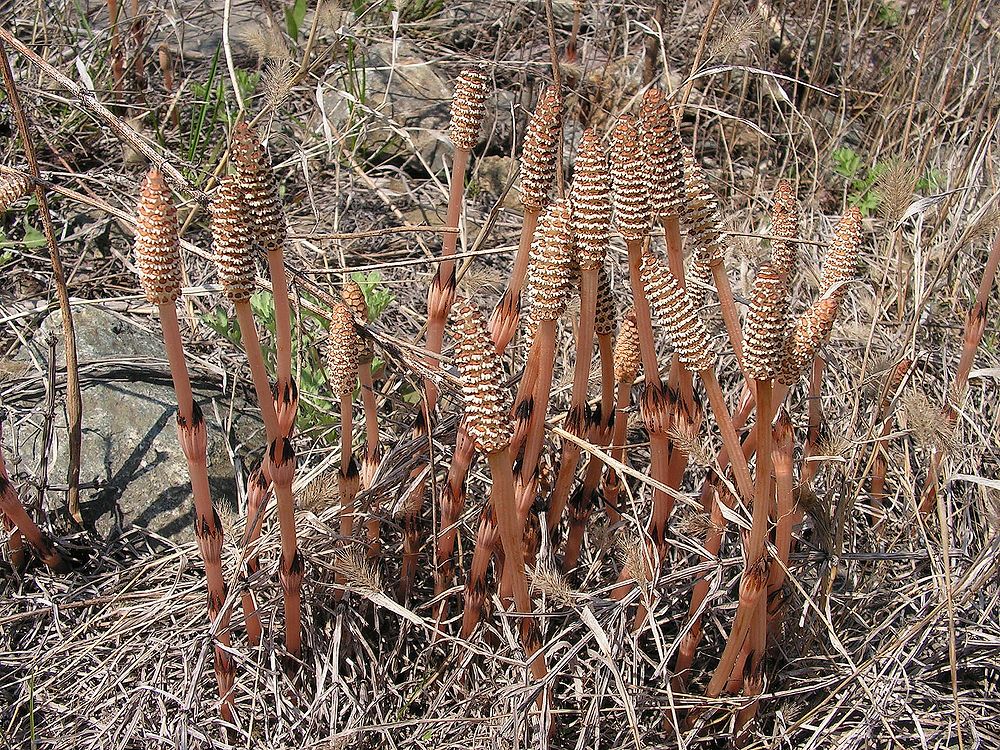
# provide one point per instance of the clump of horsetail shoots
(342, 356)
(765, 332)
(157, 252)
(254, 179)
(590, 226)
(488, 424)
(467, 112)
(233, 243)
(538, 171)
(13, 187)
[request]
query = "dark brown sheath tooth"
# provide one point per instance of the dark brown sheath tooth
(157, 246)
(541, 149)
(550, 264)
(232, 242)
(843, 258)
(590, 196)
(629, 192)
(766, 323)
(255, 179)
(678, 315)
(487, 410)
(468, 107)
(13, 187)
(664, 156)
(342, 351)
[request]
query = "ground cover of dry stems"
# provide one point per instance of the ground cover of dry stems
(890, 635)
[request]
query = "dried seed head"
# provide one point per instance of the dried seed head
(468, 107)
(765, 325)
(486, 408)
(841, 262)
(591, 198)
(541, 148)
(13, 187)
(342, 351)
(627, 357)
(232, 242)
(354, 298)
(629, 192)
(677, 314)
(551, 261)
(785, 224)
(606, 318)
(664, 156)
(157, 246)
(255, 178)
(701, 216)
(811, 331)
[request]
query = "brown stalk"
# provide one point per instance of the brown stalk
(781, 458)
(342, 357)
(157, 251)
(488, 424)
(74, 405)
(539, 154)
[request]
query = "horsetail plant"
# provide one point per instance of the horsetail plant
(467, 113)
(258, 492)
(590, 226)
(158, 261)
(489, 426)
(627, 363)
(342, 356)
(253, 178)
(538, 170)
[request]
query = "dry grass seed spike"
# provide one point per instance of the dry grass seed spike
(590, 224)
(488, 424)
(233, 245)
(538, 170)
(158, 260)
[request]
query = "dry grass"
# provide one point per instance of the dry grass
(891, 635)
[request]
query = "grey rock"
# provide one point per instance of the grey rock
(130, 447)
(394, 103)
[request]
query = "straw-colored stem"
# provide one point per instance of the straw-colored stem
(502, 499)
(258, 371)
(578, 401)
(282, 316)
(15, 545)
